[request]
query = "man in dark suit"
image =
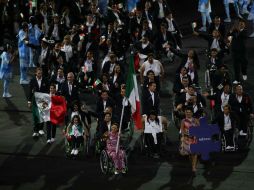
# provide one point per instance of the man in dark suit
(37, 84)
(164, 37)
(58, 79)
(76, 11)
(227, 121)
(122, 101)
(70, 91)
(103, 102)
(44, 58)
(159, 8)
(109, 66)
(151, 99)
(241, 104)
(217, 25)
(57, 59)
(238, 49)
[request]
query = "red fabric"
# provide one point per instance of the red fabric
(137, 116)
(58, 110)
(136, 62)
(212, 104)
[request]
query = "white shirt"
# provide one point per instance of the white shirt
(89, 65)
(224, 100)
(171, 27)
(68, 52)
(155, 67)
(111, 69)
(153, 127)
(43, 55)
(55, 32)
(104, 104)
(215, 44)
(161, 11)
(152, 95)
(39, 82)
(70, 88)
(227, 122)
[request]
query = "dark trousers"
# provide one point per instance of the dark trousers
(51, 130)
(149, 142)
(240, 64)
(38, 127)
(76, 141)
(229, 136)
(243, 121)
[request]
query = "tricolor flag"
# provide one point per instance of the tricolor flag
(46, 108)
(133, 95)
(96, 83)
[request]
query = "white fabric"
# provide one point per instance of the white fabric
(155, 67)
(153, 128)
(227, 122)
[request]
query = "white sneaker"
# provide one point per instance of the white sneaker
(229, 147)
(52, 140)
(24, 82)
(76, 152)
(235, 82)
(227, 20)
(41, 132)
(244, 77)
(242, 133)
(252, 35)
(7, 95)
(72, 151)
(202, 29)
(35, 135)
(48, 141)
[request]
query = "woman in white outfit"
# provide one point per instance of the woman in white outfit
(204, 7)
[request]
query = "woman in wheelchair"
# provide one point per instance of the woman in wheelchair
(227, 121)
(74, 134)
(117, 156)
(153, 133)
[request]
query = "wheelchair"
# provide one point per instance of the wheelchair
(163, 137)
(126, 136)
(107, 164)
(245, 141)
(83, 149)
(224, 144)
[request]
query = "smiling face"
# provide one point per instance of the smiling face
(188, 113)
(114, 128)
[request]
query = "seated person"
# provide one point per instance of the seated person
(153, 128)
(227, 121)
(116, 155)
(75, 132)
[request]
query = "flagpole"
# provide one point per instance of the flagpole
(120, 126)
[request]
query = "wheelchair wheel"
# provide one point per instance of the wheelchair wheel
(106, 163)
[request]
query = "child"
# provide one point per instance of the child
(117, 157)
(75, 132)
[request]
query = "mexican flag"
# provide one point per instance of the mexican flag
(133, 95)
(46, 108)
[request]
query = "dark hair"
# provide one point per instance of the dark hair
(75, 116)
(188, 108)
(153, 112)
